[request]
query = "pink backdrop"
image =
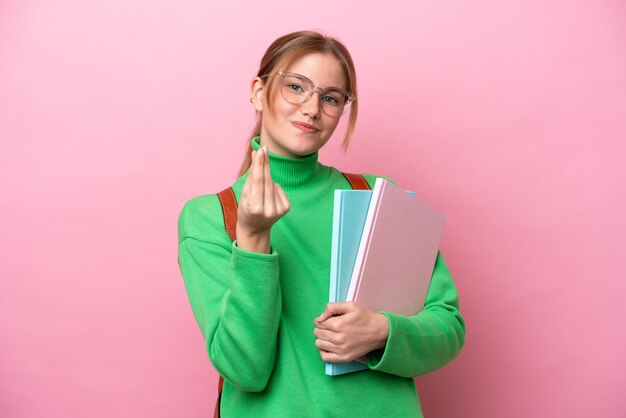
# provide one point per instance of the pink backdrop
(509, 116)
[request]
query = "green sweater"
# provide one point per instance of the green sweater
(256, 310)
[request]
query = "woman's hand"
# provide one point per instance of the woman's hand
(263, 202)
(346, 331)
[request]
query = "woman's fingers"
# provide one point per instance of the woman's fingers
(256, 197)
(245, 191)
(326, 335)
(325, 345)
(282, 196)
(282, 202)
(329, 357)
(333, 309)
(277, 201)
(263, 202)
(329, 354)
(269, 202)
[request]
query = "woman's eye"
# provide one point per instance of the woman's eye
(330, 100)
(295, 87)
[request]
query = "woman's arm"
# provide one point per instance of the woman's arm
(403, 345)
(235, 297)
(234, 291)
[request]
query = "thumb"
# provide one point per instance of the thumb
(333, 309)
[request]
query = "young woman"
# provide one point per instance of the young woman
(262, 300)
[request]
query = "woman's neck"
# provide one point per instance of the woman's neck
(289, 172)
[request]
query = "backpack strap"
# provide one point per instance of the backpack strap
(357, 181)
(220, 385)
(229, 211)
(228, 201)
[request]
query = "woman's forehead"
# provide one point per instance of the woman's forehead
(322, 69)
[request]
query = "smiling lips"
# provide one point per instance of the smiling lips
(305, 127)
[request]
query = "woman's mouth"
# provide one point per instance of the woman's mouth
(305, 127)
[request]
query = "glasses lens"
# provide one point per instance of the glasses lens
(298, 89)
(333, 101)
(295, 89)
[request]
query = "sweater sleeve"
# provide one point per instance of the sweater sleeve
(422, 343)
(234, 294)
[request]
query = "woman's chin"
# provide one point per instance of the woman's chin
(304, 149)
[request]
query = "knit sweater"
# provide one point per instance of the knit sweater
(256, 310)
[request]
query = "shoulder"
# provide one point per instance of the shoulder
(200, 207)
(201, 218)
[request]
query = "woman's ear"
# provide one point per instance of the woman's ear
(257, 93)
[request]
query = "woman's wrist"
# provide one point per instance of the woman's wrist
(255, 242)
(382, 328)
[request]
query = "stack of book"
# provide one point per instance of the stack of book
(384, 246)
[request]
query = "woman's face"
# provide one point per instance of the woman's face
(295, 130)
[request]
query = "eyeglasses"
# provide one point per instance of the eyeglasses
(297, 89)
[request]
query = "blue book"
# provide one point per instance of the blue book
(349, 213)
(350, 210)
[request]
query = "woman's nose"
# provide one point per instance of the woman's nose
(311, 106)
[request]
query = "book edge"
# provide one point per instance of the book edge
(364, 241)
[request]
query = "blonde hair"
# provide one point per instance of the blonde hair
(286, 50)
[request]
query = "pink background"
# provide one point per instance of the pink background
(508, 116)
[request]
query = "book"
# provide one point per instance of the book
(349, 213)
(397, 252)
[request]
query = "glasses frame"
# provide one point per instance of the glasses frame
(349, 97)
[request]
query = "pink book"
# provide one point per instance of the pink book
(397, 252)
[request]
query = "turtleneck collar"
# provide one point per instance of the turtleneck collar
(289, 172)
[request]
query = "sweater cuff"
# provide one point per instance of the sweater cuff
(254, 256)
(383, 360)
